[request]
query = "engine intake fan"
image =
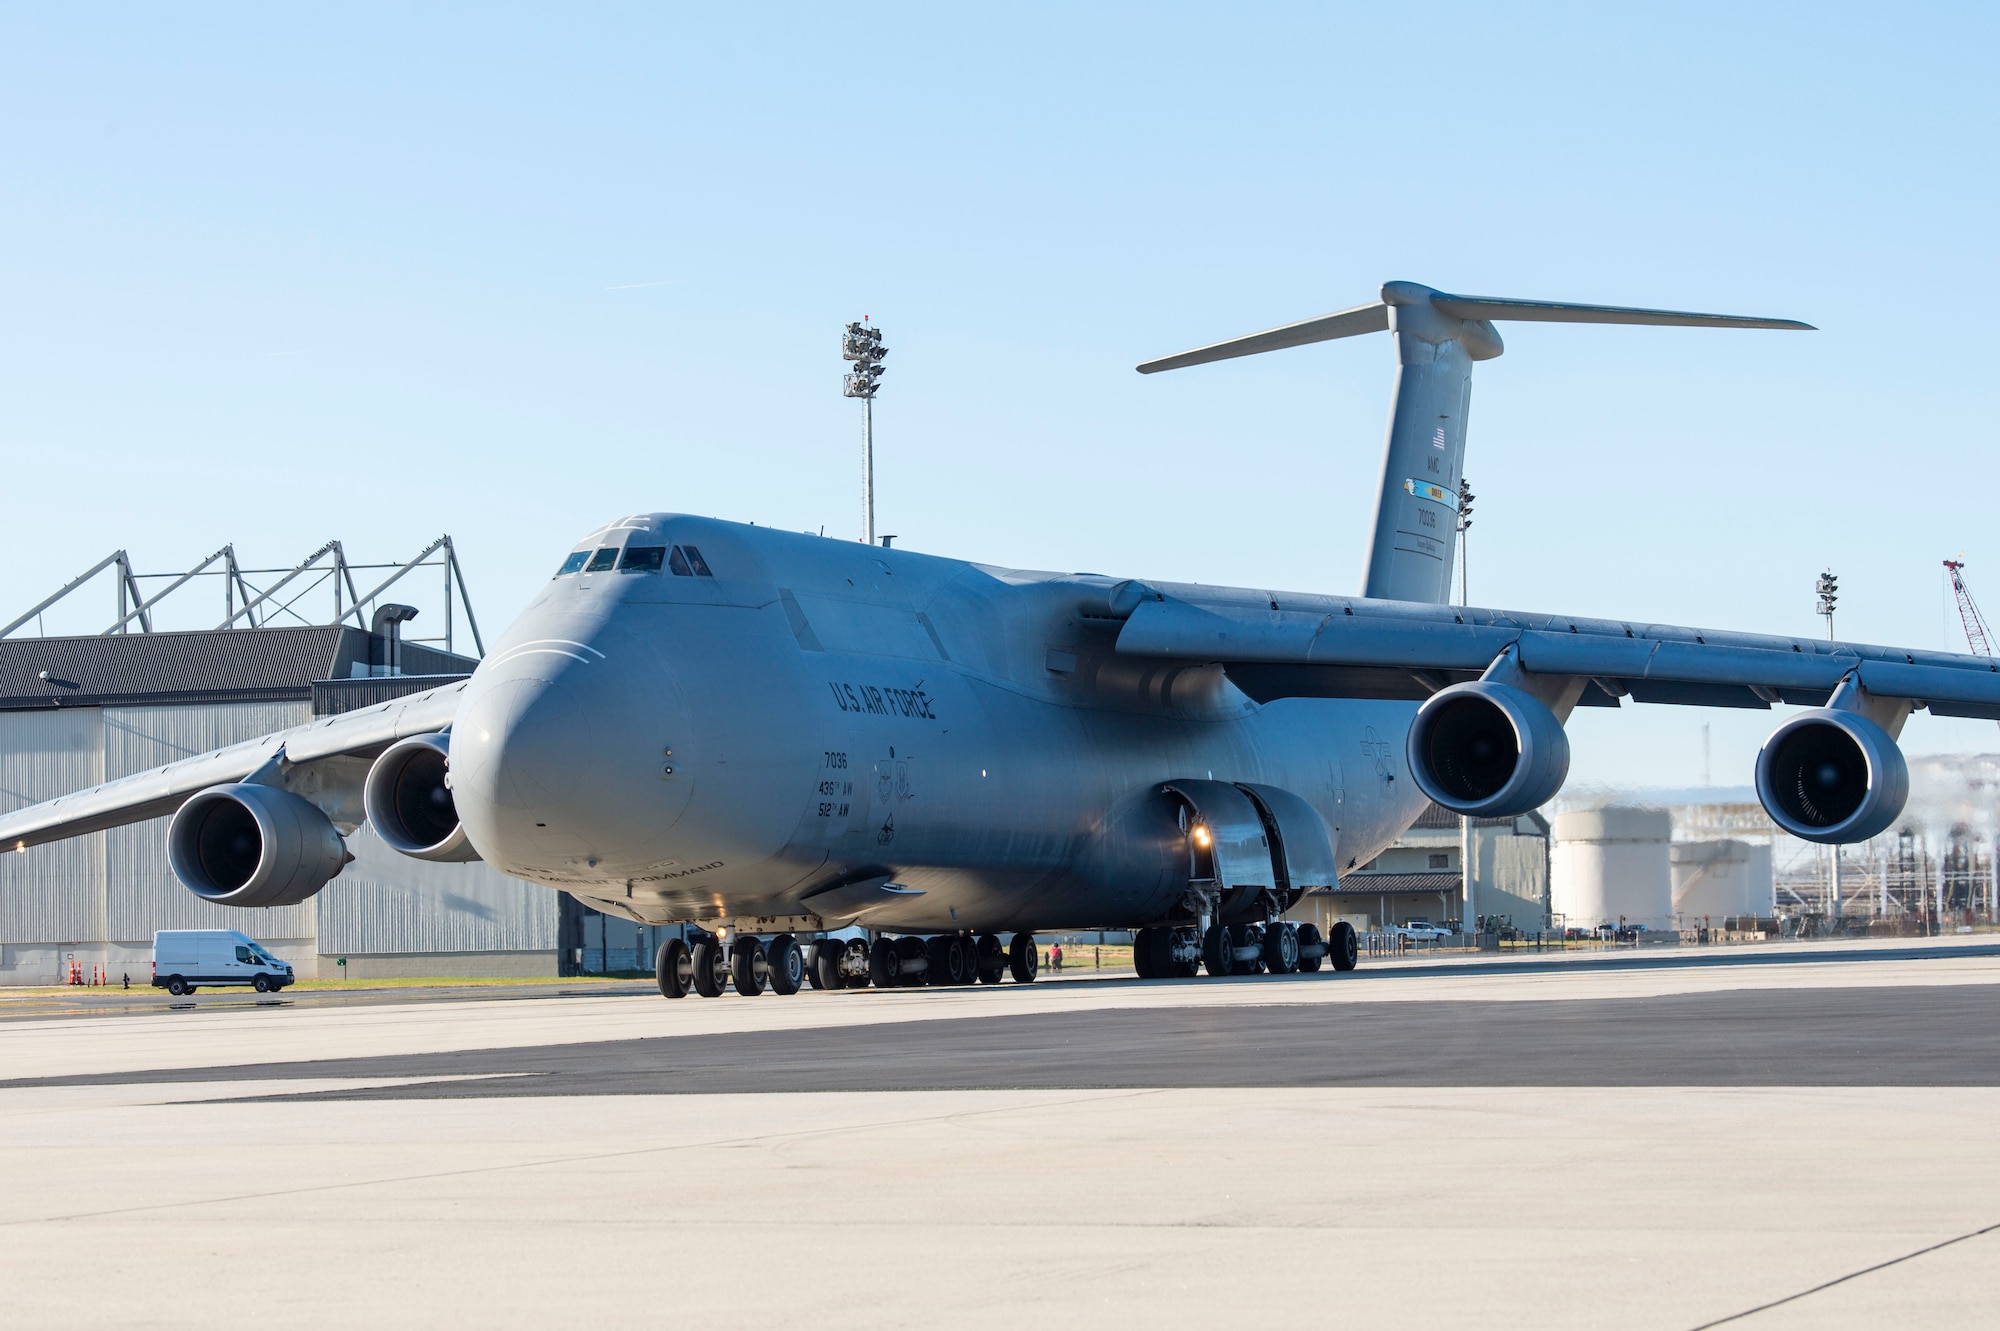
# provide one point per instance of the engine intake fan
(1488, 750)
(1832, 776)
(251, 845)
(409, 803)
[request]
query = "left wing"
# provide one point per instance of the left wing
(161, 790)
(1281, 645)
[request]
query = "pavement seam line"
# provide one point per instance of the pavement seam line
(801, 1134)
(1841, 1280)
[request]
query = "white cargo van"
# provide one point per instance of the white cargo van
(185, 958)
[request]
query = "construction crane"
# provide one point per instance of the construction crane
(1968, 610)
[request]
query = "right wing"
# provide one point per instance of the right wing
(1341, 647)
(160, 790)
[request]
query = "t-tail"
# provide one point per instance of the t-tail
(1438, 337)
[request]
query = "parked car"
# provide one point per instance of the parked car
(184, 959)
(1423, 931)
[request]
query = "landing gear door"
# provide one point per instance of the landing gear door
(1237, 854)
(1305, 844)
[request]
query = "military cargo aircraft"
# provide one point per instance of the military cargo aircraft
(774, 737)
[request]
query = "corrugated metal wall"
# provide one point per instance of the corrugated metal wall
(142, 893)
(386, 902)
(117, 887)
(52, 893)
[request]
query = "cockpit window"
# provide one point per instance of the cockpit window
(696, 562)
(574, 564)
(643, 558)
(602, 560)
(679, 564)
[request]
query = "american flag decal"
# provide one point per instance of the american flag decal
(1437, 440)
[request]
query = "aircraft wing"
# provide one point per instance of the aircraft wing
(160, 790)
(1278, 645)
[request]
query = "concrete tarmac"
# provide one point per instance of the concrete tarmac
(1785, 1143)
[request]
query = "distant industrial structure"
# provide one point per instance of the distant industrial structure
(79, 710)
(1422, 876)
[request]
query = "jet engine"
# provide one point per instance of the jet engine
(1487, 750)
(1832, 776)
(408, 799)
(250, 845)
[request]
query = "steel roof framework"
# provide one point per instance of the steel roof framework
(248, 604)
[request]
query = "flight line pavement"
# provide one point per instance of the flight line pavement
(430, 1162)
(241, 1030)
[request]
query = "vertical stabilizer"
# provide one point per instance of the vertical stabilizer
(1438, 337)
(1416, 515)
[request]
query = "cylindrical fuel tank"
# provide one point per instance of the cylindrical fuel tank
(1611, 866)
(1721, 879)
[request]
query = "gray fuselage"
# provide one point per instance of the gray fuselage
(685, 747)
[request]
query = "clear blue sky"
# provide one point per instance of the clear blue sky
(381, 273)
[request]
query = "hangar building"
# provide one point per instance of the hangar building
(76, 711)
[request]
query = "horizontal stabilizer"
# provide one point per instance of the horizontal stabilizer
(1423, 322)
(1348, 323)
(1563, 312)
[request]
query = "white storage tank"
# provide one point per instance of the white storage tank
(1611, 865)
(1721, 879)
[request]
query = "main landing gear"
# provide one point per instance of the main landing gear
(749, 964)
(1280, 948)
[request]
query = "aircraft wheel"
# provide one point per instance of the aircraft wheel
(711, 974)
(884, 964)
(1281, 948)
(1343, 946)
(1142, 949)
(990, 958)
(825, 970)
(949, 962)
(1309, 938)
(1249, 935)
(262, 984)
(910, 949)
(1023, 959)
(176, 986)
(673, 968)
(748, 966)
(787, 963)
(1215, 950)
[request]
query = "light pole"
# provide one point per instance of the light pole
(863, 345)
(1828, 589)
(1465, 498)
(1466, 857)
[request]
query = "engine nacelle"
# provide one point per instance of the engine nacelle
(1832, 776)
(408, 799)
(250, 845)
(1487, 750)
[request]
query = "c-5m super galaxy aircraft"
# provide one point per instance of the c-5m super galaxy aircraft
(777, 736)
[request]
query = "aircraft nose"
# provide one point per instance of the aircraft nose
(519, 765)
(517, 745)
(555, 764)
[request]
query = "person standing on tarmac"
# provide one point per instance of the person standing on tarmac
(1055, 956)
